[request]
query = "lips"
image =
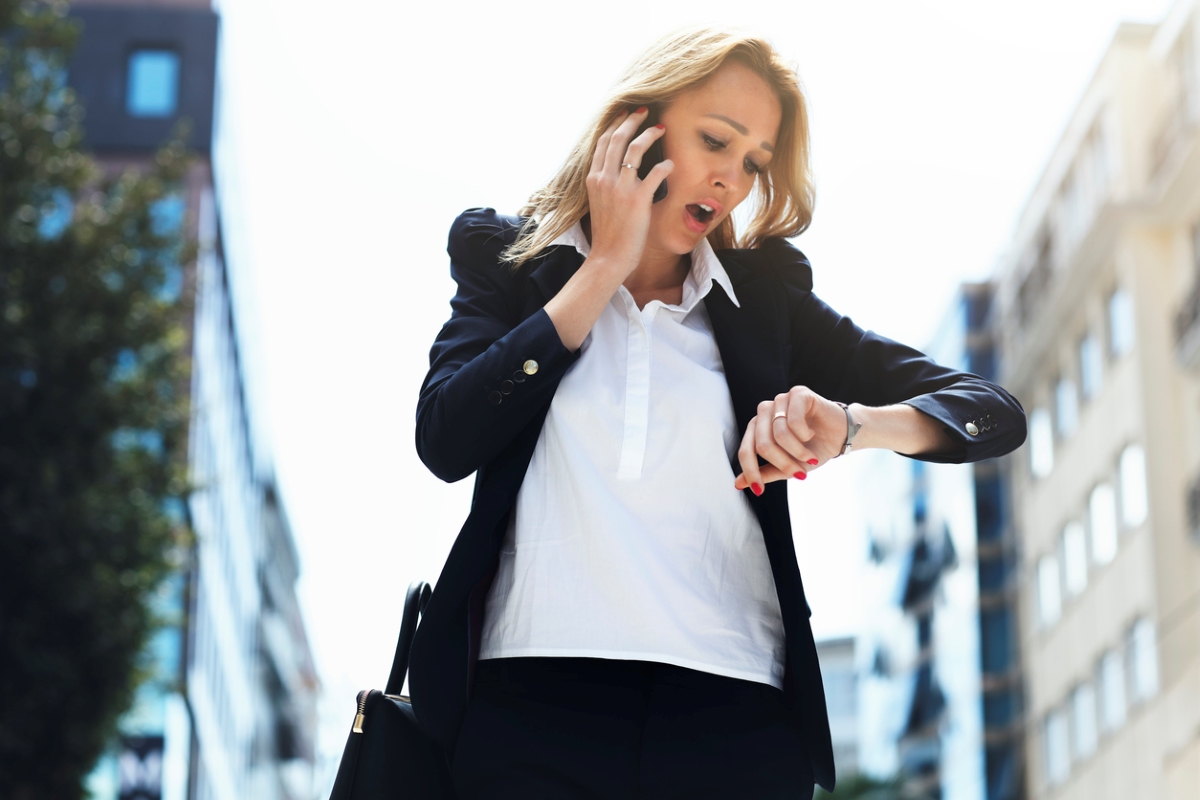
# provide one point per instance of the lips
(699, 215)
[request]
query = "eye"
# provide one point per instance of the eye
(711, 142)
(751, 168)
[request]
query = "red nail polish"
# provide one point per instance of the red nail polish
(813, 462)
(757, 489)
(801, 475)
(640, 110)
(661, 127)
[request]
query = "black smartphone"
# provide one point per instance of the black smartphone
(653, 155)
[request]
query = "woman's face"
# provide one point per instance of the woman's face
(720, 136)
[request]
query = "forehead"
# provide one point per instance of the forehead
(739, 93)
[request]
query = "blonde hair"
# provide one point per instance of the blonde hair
(680, 62)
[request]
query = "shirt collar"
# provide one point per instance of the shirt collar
(706, 267)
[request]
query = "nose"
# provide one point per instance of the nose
(726, 175)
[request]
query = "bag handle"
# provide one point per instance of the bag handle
(414, 607)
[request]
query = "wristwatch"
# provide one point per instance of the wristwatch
(851, 429)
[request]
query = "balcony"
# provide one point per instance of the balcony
(1174, 130)
(1187, 329)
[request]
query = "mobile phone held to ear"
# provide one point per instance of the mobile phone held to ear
(652, 156)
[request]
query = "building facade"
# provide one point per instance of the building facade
(1096, 319)
(839, 674)
(230, 710)
(941, 690)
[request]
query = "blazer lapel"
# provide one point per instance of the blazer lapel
(752, 336)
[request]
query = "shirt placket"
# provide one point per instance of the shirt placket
(637, 388)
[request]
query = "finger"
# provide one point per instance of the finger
(638, 147)
(784, 428)
(748, 458)
(787, 417)
(768, 474)
(619, 141)
(657, 175)
(602, 145)
(765, 444)
(801, 401)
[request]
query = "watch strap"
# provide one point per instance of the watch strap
(852, 428)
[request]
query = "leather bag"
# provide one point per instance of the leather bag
(387, 755)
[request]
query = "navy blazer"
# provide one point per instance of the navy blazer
(479, 411)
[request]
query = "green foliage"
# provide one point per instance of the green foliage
(93, 415)
(862, 787)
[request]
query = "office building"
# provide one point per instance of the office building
(1097, 324)
(839, 673)
(230, 711)
(941, 688)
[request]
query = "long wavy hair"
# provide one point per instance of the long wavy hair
(783, 195)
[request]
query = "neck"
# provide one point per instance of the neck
(658, 270)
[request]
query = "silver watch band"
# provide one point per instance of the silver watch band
(852, 428)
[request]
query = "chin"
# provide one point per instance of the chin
(678, 239)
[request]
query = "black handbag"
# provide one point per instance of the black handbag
(387, 755)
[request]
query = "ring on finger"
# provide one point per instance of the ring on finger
(629, 166)
(779, 415)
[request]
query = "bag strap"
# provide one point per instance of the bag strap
(414, 607)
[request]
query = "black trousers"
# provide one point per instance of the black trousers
(599, 729)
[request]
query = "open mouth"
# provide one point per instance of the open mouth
(700, 212)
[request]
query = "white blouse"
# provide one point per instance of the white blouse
(627, 539)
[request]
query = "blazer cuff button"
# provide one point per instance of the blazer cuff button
(530, 367)
(494, 398)
(972, 429)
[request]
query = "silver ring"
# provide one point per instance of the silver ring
(779, 415)
(629, 166)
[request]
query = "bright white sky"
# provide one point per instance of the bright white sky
(355, 131)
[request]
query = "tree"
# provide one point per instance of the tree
(862, 787)
(93, 415)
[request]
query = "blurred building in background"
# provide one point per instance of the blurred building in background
(840, 676)
(941, 694)
(1098, 314)
(230, 712)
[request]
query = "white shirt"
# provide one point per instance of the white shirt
(627, 539)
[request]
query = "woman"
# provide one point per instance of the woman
(622, 614)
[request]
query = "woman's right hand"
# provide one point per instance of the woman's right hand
(619, 202)
(619, 208)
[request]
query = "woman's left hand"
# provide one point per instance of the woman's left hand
(796, 433)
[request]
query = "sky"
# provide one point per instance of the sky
(351, 134)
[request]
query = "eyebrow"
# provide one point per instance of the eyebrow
(740, 128)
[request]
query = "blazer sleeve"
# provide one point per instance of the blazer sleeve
(490, 371)
(840, 361)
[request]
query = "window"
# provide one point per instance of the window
(924, 631)
(989, 508)
(1143, 659)
(1041, 443)
(1091, 366)
(1120, 323)
(1049, 596)
(1058, 756)
(153, 83)
(1112, 690)
(1075, 566)
(841, 693)
(1066, 406)
(1132, 473)
(1083, 718)
(1102, 516)
(996, 628)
